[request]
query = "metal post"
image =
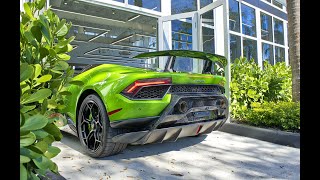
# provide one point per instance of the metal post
(259, 42)
(285, 33)
(227, 50)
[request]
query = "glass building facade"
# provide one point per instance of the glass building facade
(113, 31)
(263, 33)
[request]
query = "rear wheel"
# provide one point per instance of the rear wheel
(94, 129)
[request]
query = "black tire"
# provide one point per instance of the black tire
(94, 129)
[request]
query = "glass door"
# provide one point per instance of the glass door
(207, 32)
(178, 32)
(196, 30)
(207, 28)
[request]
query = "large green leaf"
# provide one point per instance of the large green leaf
(29, 153)
(24, 159)
(27, 140)
(25, 109)
(40, 4)
(56, 71)
(61, 23)
(24, 19)
(52, 104)
(54, 131)
(54, 168)
(42, 162)
(21, 119)
(28, 55)
(62, 31)
(52, 52)
(46, 34)
(52, 152)
(61, 65)
(65, 93)
(70, 73)
(36, 32)
(69, 48)
(43, 52)
(26, 71)
(37, 70)
(44, 78)
(31, 39)
(44, 106)
(64, 43)
(42, 146)
(35, 149)
(40, 134)
(63, 56)
(44, 21)
(37, 96)
(28, 10)
(60, 50)
(23, 172)
(45, 29)
(49, 139)
(34, 122)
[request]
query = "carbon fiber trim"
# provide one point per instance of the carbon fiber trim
(170, 134)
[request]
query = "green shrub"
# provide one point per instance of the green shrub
(250, 85)
(44, 75)
(279, 77)
(281, 115)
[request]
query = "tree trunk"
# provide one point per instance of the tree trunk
(293, 9)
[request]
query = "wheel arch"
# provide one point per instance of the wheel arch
(83, 95)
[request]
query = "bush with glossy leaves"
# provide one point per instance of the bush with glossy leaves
(44, 77)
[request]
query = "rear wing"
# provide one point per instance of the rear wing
(208, 57)
(186, 53)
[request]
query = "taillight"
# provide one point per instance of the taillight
(138, 84)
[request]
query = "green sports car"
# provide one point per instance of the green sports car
(120, 105)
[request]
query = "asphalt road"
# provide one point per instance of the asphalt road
(218, 155)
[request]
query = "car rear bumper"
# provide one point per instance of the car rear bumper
(171, 125)
(169, 134)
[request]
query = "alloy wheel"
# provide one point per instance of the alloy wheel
(91, 126)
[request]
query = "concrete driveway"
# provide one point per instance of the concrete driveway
(218, 155)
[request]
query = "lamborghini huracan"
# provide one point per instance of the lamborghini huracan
(120, 105)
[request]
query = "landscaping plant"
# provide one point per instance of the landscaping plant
(44, 76)
(280, 115)
(248, 86)
(254, 91)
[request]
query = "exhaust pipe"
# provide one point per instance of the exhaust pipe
(182, 107)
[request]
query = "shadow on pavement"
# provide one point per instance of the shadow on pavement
(215, 156)
(134, 151)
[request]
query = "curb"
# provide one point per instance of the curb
(273, 136)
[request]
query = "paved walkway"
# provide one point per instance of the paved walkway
(218, 155)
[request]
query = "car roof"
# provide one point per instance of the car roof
(185, 53)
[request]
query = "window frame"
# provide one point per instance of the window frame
(258, 32)
(283, 9)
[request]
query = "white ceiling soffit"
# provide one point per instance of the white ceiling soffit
(283, 2)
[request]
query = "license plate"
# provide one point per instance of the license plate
(201, 114)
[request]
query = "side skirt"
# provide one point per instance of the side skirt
(72, 125)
